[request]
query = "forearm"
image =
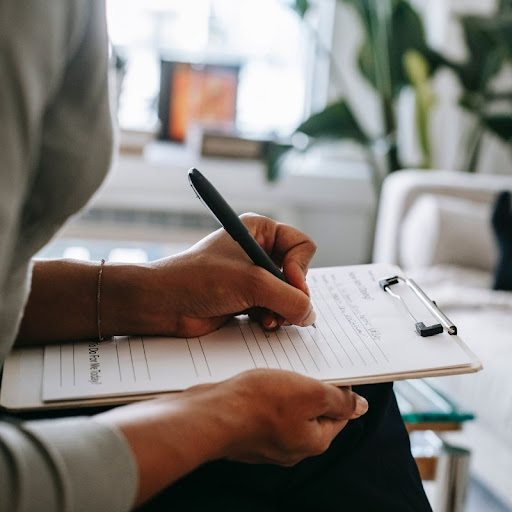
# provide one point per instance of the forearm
(188, 294)
(259, 417)
(168, 440)
(63, 301)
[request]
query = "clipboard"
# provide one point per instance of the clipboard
(356, 317)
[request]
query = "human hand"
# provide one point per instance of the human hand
(188, 294)
(283, 417)
(198, 290)
(260, 416)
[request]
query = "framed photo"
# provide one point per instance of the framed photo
(192, 93)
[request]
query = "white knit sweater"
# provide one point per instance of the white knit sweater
(55, 149)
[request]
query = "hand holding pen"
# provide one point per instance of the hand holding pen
(234, 226)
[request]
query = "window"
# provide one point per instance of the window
(271, 43)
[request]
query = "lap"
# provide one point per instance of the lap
(367, 467)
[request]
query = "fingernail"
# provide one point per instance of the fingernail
(361, 405)
(310, 319)
(270, 324)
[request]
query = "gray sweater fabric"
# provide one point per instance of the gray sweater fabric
(55, 150)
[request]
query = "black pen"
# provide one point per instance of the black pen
(230, 221)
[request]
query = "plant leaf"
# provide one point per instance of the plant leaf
(504, 6)
(505, 31)
(470, 101)
(437, 60)
(366, 63)
(406, 33)
(274, 153)
(335, 121)
(365, 10)
(500, 125)
(301, 7)
(486, 51)
(417, 69)
(489, 42)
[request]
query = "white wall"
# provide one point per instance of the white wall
(330, 199)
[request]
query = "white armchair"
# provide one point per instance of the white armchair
(401, 189)
(458, 275)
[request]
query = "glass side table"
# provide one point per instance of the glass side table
(426, 413)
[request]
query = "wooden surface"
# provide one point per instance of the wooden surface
(427, 467)
(434, 426)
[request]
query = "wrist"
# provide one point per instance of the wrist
(131, 301)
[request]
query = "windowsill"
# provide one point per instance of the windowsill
(157, 179)
(329, 198)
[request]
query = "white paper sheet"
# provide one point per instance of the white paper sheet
(360, 331)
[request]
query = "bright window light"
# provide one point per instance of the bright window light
(265, 37)
(128, 255)
(77, 253)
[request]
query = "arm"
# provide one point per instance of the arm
(42, 46)
(62, 304)
(261, 416)
(189, 294)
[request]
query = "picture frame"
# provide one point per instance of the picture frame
(196, 93)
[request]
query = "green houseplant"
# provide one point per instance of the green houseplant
(394, 54)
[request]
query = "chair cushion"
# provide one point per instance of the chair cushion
(447, 230)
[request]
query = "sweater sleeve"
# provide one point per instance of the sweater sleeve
(53, 107)
(65, 465)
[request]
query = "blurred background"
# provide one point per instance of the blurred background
(294, 109)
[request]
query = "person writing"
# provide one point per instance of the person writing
(263, 440)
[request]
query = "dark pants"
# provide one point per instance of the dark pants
(368, 467)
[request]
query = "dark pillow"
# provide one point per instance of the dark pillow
(502, 224)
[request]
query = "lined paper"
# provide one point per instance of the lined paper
(360, 331)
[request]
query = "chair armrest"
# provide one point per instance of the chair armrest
(402, 188)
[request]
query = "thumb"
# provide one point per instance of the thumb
(343, 403)
(284, 299)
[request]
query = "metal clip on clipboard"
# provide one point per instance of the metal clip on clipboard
(421, 328)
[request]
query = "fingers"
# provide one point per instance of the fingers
(266, 318)
(297, 251)
(327, 430)
(295, 274)
(340, 403)
(188, 325)
(271, 321)
(287, 246)
(287, 301)
(289, 416)
(293, 250)
(340, 406)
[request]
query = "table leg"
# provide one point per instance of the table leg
(451, 479)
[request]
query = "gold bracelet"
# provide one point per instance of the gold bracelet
(98, 300)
